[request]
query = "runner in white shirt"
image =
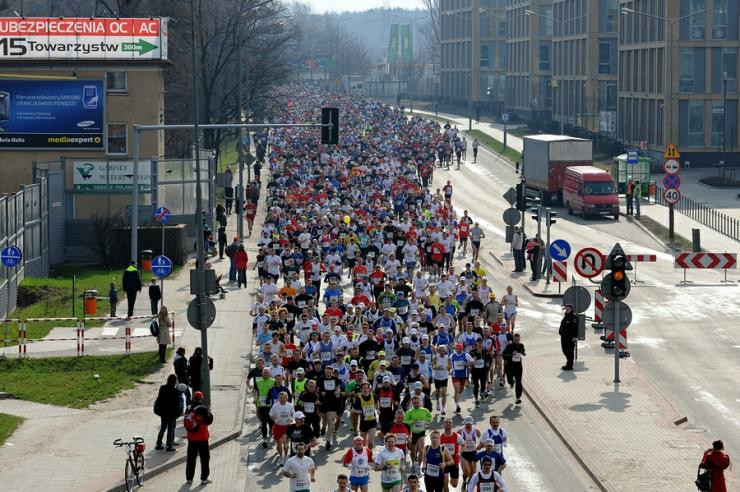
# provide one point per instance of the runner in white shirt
(269, 289)
(282, 413)
(388, 461)
(444, 287)
(300, 469)
(496, 433)
(510, 302)
(486, 480)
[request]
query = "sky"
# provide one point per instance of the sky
(321, 6)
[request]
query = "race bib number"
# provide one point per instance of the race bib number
(330, 385)
(403, 310)
(301, 484)
(432, 470)
(418, 427)
(326, 356)
(400, 438)
(440, 373)
(486, 487)
(385, 402)
(370, 355)
(360, 470)
(475, 312)
(450, 448)
(399, 242)
(309, 406)
(516, 357)
(469, 446)
(392, 473)
(263, 400)
(459, 365)
(301, 304)
(371, 254)
(368, 412)
(406, 360)
(498, 448)
(396, 378)
(479, 363)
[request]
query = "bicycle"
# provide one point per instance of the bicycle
(134, 470)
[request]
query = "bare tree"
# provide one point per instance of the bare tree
(432, 34)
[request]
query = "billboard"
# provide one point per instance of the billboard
(399, 44)
(406, 53)
(73, 38)
(52, 114)
(393, 44)
(110, 175)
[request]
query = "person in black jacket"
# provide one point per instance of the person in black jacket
(155, 295)
(568, 336)
(194, 369)
(131, 285)
(181, 366)
(167, 406)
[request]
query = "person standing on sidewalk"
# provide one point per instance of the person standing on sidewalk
(715, 461)
(230, 252)
(517, 243)
(132, 285)
(568, 336)
(475, 146)
(241, 259)
(638, 195)
(196, 422)
(513, 354)
(155, 295)
(163, 336)
(113, 299)
(629, 194)
(167, 407)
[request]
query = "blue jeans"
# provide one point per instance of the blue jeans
(519, 260)
(168, 424)
(232, 270)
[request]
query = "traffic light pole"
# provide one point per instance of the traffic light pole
(616, 340)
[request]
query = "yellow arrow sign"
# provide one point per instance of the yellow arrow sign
(671, 152)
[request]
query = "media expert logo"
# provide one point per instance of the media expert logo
(80, 38)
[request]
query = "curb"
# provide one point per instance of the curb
(526, 286)
(496, 258)
(649, 233)
(565, 442)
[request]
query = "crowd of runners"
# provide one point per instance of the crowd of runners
(374, 318)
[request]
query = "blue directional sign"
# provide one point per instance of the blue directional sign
(559, 250)
(161, 266)
(162, 215)
(671, 181)
(11, 256)
(632, 157)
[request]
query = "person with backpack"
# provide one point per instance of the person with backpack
(197, 419)
(167, 407)
(230, 251)
(715, 461)
(163, 332)
(181, 365)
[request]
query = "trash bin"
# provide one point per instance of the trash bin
(146, 260)
(652, 190)
(91, 302)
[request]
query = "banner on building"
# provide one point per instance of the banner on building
(394, 44)
(104, 175)
(79, 38)
(406, 48)
(52, 114)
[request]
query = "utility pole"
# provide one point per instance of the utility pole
(240, 191)
(200, 252)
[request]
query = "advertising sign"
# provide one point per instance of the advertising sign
(73, 38)
(406, 47)
(393, 44)
(52, 114)
(111, 175)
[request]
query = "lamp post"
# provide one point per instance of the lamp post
(724, 125)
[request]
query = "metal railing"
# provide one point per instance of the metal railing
(708, 216)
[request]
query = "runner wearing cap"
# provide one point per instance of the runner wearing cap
(487, 480)
(281, 413)
(436, 459)
(418, 418)
(460, 361)
(499, 463)
(365, 403)
(388, 461)
(470, 436)
(358, 459)
(299, 432)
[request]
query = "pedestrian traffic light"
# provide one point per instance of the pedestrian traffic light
(330, 135)
(619, 277)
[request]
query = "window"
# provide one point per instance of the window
(696, 123)
(718, 122)
(485, 60)
(546, 21)
(116, 81)
(612, 13)
(544, 57)
(502, 28)
(719, 19)
(697, 21)
(117, 138)
(605, 58)
(686, 83)
(729, 68)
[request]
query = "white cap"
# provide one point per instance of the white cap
(386, 379)
(417, 385)
(353, 362)
(406, 340)
(299, 415)
(468, 420)
(300, 370)
(413, 331)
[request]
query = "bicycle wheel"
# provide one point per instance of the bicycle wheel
(140, 469)
(130, 477)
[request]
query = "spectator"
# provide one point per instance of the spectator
(230, 251)
(716, 461)
(241, 259)
(195, 367)
(113, 298)
(201, 417)
(181, 366)
(163, 337)
(167, 407)
(155, 295)
(132, 285)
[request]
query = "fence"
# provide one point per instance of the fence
(710, 217)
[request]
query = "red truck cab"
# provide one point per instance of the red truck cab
(590, 191)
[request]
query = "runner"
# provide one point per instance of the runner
(460, 363)
(497, 433)
(511, 303)
(487, 480)
(300, 469)
(470, 436)
(358, 459)
(476, 234)
(436, 460)
(388, 461)
(513, 356)
(282, 414)
(441, 365)
(452, 441)
(418, 418)
(475, 146)
(365, 403)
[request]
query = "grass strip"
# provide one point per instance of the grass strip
(8, 425)
(495, 146)
(661, 232)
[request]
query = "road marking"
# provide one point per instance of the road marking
(716, 404)
(109, 331)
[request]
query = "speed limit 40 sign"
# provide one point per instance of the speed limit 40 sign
(671, 195)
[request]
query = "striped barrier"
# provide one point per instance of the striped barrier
(599, 305)
(559, 271)
(638, 259)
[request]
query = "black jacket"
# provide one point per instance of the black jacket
(181, 368)
(569, 327)
(168, 401)
(131, 280)
(155, 293)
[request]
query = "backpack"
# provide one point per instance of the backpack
(154, 328)
(190, 421)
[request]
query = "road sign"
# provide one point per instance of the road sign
(505, 117)
(578, 297)
(671, 166)
(162, 215)
(161, 266)
(671, 195)
(510, 196)
(589, 262)
(632, 157)
(704, 260)
(625, 315)
(617, 250)
(671, 152)
(671, 181)
(209, 313)
(11, 256)
(512, 216)
(606, 287)
(559, 271)
(559, 250)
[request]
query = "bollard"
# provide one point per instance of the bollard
(173, 328)
(78, 338)
(599, 303)
(695, 240)
(127, 344)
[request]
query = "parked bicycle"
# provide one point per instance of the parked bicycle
(134, 472)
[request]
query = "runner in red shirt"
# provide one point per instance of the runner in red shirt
(452, 441)
(438, 258)
(401, 431)
(463, 228)
(251, 212)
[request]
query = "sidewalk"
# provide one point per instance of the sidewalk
(64, 449)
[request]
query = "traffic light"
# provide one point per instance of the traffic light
(551, 217)
(330, 135)
(522, 200)
(619, 276)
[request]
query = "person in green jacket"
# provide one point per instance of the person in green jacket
(264, 385)
(132, 285)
